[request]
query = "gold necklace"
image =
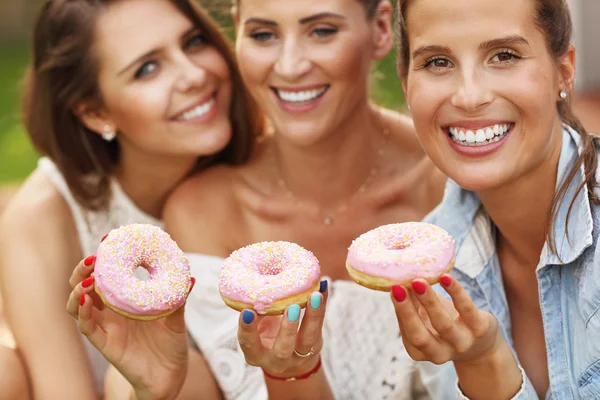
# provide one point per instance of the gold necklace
(329, 218)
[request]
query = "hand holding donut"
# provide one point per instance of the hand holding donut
(151, 354)
(287, 346)
(438, 330)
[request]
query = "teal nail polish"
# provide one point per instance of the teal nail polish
(294, 312)
(315, 301)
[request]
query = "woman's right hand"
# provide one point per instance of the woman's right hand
(151, 355)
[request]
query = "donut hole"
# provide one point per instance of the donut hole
(142, 273)
(269, 269)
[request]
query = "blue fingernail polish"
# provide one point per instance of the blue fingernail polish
(323, 286)
(315, 301)
(247, 317)
(294, 312)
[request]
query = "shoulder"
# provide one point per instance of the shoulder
(37, 228)
(36, 200)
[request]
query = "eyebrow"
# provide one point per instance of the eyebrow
(154, 52)
(433, 48)
(302, 21)
(503, 42)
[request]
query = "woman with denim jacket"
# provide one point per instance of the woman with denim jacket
(490, 85)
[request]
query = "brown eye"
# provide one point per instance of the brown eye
(438, 63)
(505, 57)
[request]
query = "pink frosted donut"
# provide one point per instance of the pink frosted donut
(120, 255)
(396, 254)
(268, 277)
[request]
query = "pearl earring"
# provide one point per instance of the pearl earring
(563, 94)
(108, 134)
(409, 106)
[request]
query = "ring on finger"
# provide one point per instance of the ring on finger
(310, 353)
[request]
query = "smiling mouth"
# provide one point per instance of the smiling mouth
(479, 137)
(198, 111)
(301, 96)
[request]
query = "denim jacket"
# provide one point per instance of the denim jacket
(569, 284)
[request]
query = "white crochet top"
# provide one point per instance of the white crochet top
(363, 356)
(91, 227)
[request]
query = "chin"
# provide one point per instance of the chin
(213, 142)
(477, 182)
(301, 134)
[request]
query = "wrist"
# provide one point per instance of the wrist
(497, 371)
(305, 371)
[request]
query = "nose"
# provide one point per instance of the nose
(190, 75)
(471, 93)
(292, 62)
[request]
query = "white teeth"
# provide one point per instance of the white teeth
(481, 136)
(470, 137)
(301, 97)
(198, 111)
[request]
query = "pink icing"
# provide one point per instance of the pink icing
(262, 273)
(402, 252)
(142, 245)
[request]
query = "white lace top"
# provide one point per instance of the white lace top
(91, 227)
(363, 355)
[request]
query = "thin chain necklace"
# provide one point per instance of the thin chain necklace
(328, 218)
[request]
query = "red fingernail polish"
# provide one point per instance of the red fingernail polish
(419, 287)
(103, 237)
(193, 283)
(87, 282)
(82, 299)
(399, 293)
(445, 281)
(89, 261)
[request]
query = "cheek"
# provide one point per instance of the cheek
(346, 60)
(254, 62)
(139, 109)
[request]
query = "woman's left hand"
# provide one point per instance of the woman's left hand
(284, 346)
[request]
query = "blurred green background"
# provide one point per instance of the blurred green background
(17, 157)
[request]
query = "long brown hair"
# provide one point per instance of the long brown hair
(63, 72)
(553, 19)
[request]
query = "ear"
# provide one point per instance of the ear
(235, 15)
(93, 118)
(566, 67)
(383, 37)
(404, 89)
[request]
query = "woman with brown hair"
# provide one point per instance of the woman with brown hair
(124, 99)
(490, 85)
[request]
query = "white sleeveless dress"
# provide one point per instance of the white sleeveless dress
(361, 336)
(91, 227)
